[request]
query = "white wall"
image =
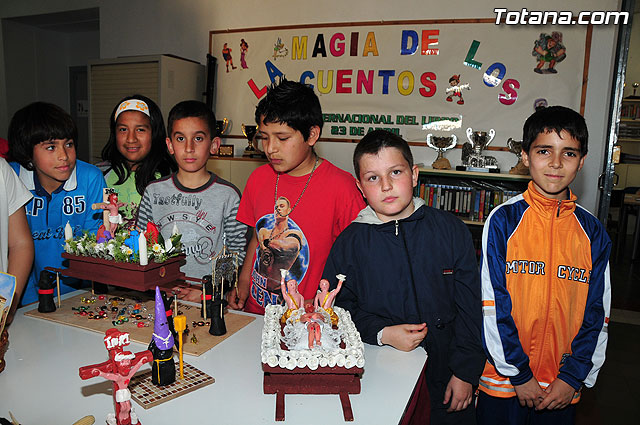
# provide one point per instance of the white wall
(184, 31)
(37, 63)
(22, 56)
(633, 63)
(141, 27)
(20, 64)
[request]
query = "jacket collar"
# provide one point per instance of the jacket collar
(546, 206)
(368, 215)
(28, 178)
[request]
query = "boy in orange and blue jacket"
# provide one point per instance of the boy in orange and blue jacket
(545, 284)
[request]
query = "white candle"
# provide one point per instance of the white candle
(142, 250)
(68, 232)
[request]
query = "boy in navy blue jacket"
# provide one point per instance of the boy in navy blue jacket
(412, 277)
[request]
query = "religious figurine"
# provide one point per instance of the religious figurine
(113, 219)
(313, 321)
(120, 368)
(515, 147)
(163, 371)
(102, 235)
(168, 308)
(291, 296)
(324, 299)
(46, 284)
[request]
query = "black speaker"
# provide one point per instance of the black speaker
(211, 81)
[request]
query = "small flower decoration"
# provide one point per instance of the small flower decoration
(121, 247)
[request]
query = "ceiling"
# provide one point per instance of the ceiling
(82, 20)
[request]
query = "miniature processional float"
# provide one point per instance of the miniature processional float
(311, 347)
(121, 255)
(162, 383)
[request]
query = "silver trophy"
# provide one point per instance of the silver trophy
(515, 147)
(472, 150)
(441, 144)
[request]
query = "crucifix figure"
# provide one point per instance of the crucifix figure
(120, 368)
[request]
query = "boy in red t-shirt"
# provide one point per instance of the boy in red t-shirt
(296, 205)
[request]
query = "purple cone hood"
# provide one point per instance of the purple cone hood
(161, 333)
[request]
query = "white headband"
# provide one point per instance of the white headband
(132, 105)
(126, 355)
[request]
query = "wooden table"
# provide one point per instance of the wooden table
(41, 384)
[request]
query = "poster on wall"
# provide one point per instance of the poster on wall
(413, 78)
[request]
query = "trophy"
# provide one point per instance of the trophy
(221, 127)
(441, 144)
(251, 151)
(515, 147)
(472, 150)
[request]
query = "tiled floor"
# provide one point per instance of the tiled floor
(616, 396)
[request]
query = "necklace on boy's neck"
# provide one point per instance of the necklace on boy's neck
(275, 195)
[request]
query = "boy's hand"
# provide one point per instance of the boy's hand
(530, 393)
(558, 395)
(459, 392)
(188, 293)
(404, 337)
(237, 296)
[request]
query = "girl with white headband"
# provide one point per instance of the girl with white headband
(136, 152)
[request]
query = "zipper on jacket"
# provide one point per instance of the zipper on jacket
(413, 279)
(548, 290)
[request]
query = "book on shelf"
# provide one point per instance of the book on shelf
(630, 111)
(468, 199)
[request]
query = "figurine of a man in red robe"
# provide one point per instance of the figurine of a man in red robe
(120, 368)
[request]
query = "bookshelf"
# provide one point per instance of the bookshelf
(469, 195)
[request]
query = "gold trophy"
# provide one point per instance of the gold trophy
(225, 150)
(222, 126)
(251, 151)
(515, 147)
(441, 144)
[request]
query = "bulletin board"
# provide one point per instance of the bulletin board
(411, 77)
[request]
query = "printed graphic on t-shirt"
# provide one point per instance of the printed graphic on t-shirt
(281, 245)
(70, 205)
(198, 233)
